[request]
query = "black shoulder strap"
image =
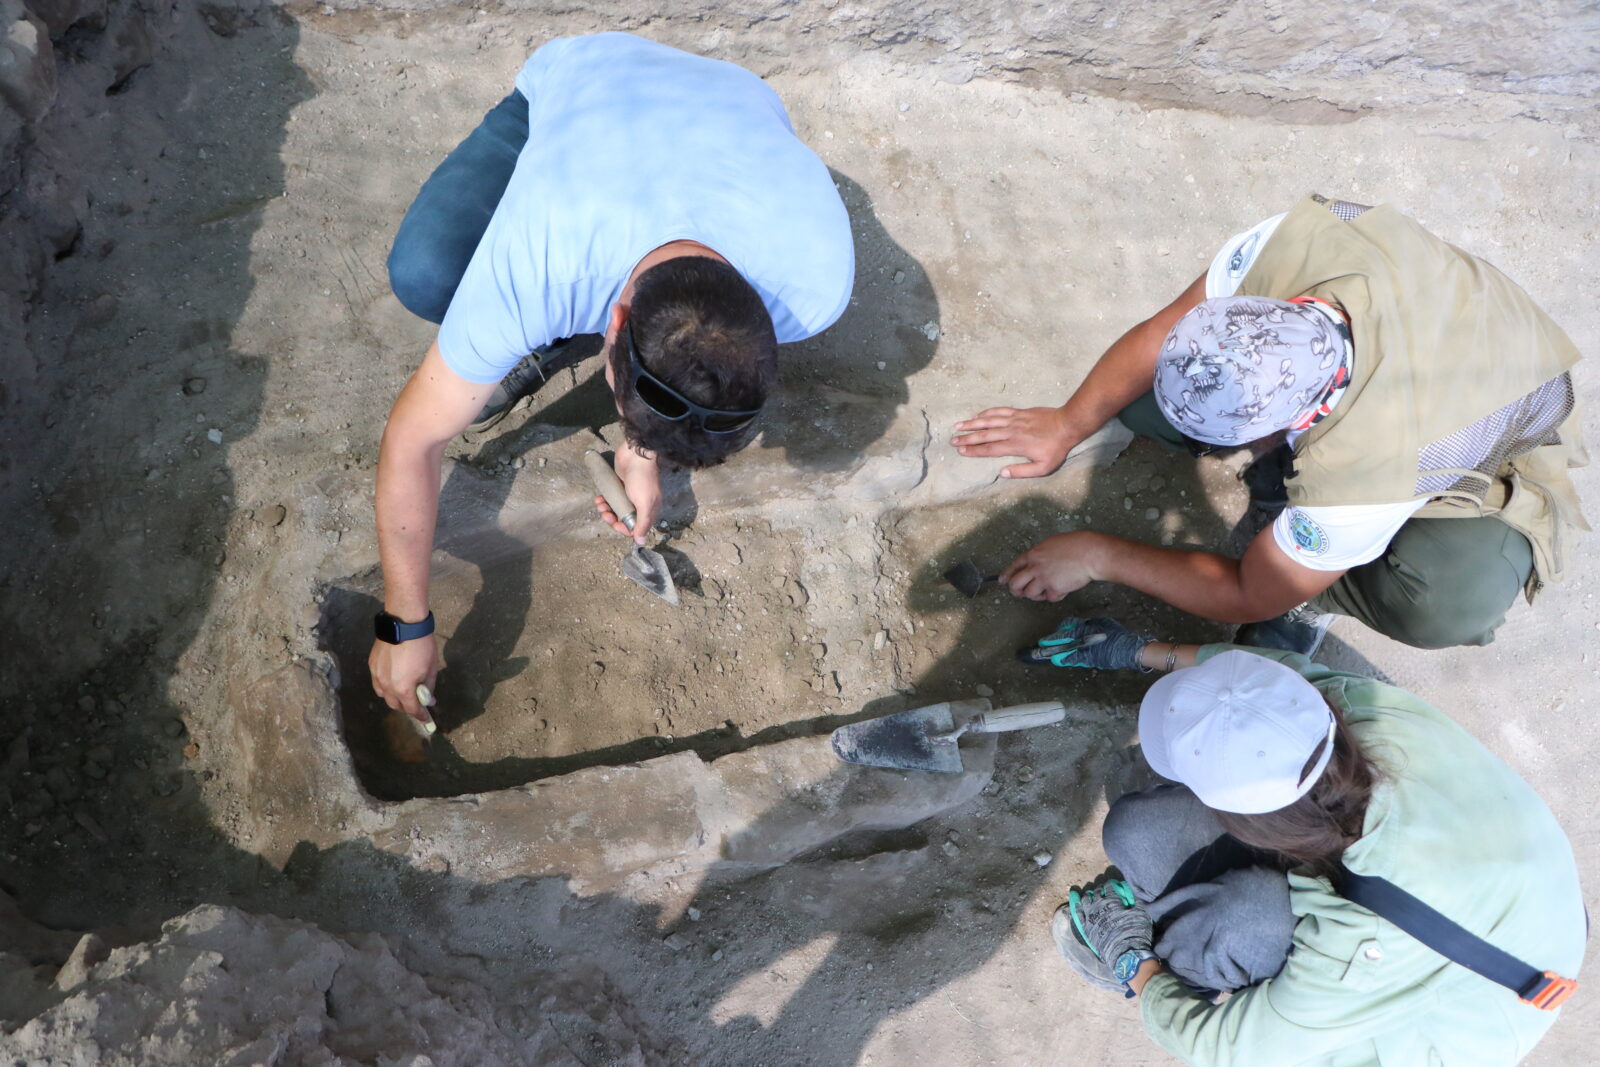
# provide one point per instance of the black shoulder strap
(1545, 990)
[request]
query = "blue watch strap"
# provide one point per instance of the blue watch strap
(391, 629)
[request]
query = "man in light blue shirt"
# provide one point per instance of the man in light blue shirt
(624, 188)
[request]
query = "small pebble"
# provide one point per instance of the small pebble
(214, 435)
(1127, 503)
(1042, 858)
(174, 728)
(676, 942)
(882, 365)
(717, 955)
(694, 915)
(930, 330)
(1152, 514)
(951, 849)
(194, 386)
(1024, 774)
(985, 691)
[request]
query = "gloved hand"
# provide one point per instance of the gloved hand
(1110, 921)
(1103, 644)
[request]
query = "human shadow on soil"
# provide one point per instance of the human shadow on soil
(841, 391)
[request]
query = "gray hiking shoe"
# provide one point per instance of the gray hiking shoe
(1299, 630)
(1079, 956)
(1108, 915)
(525, 379)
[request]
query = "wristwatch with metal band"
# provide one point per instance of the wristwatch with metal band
(392, 629)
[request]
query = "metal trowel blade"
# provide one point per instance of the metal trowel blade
(967, 578)
(645, 566)
(908, 741)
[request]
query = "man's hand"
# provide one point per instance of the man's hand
(641, 479)
(398, 669)
(1042, 436)
(1056, 566)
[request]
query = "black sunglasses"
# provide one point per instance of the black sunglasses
(673, 406)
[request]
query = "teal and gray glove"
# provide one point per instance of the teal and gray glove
(1101, 644)
(1115, 927)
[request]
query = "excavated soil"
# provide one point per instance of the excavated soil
(199, 353)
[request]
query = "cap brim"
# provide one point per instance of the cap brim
(1152, 724)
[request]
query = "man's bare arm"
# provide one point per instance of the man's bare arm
(1044, 436)
(1264, 584)
(435, 405)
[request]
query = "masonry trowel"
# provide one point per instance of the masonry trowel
(924, 739)
(642, 565)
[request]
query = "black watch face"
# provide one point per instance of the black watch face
(386, 629)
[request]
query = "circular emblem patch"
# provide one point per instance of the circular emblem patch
(1308, 535)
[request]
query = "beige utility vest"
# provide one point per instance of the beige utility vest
(1443, 342)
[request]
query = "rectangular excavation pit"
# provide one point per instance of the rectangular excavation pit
(556, 662)
(794, 619)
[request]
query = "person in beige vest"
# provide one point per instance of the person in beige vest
(1416, 401)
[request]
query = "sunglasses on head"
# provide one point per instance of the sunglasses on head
(673, 406)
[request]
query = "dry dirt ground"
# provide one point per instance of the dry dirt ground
(205, 378)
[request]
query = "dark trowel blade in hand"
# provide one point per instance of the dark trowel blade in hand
(645, 566)
(968, 579)
(908, 741)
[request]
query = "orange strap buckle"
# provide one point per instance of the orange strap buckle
(1552, 993)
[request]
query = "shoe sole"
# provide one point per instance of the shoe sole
(1078, 955)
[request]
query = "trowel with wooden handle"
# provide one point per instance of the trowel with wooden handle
(642, 565)
(924, 739)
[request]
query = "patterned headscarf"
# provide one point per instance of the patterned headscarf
(1240, 368)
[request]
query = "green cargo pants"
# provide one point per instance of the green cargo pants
(1440, 583)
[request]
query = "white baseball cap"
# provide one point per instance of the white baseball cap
(1237, 730)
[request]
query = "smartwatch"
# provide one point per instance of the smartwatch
(393, 630)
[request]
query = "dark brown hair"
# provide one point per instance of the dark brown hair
(1315, 830)
(703, 330)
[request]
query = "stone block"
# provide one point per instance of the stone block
(27, 62)
(595, 826)
(60, 15)
(777, 802)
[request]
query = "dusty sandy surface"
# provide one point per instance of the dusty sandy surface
(209, 380)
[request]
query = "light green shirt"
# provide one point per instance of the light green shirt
(1454, 826)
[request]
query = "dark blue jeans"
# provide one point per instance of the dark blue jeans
(446, 221)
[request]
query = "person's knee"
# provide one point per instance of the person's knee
(417, 282)
(1133, 816)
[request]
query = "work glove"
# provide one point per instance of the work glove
(1110, 921)
(1101, 644)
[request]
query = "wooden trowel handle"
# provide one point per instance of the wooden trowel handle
(1021, 717)
(608, 485)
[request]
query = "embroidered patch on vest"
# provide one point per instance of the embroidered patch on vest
(1308, 534)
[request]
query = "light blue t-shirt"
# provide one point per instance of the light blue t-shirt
(632, 144)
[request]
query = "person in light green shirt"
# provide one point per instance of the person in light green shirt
(1291, 775)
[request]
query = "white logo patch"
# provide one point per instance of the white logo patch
(1309, 536)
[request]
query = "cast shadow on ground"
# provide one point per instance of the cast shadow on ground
(118, 828)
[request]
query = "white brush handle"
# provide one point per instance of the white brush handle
(1021, 717)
